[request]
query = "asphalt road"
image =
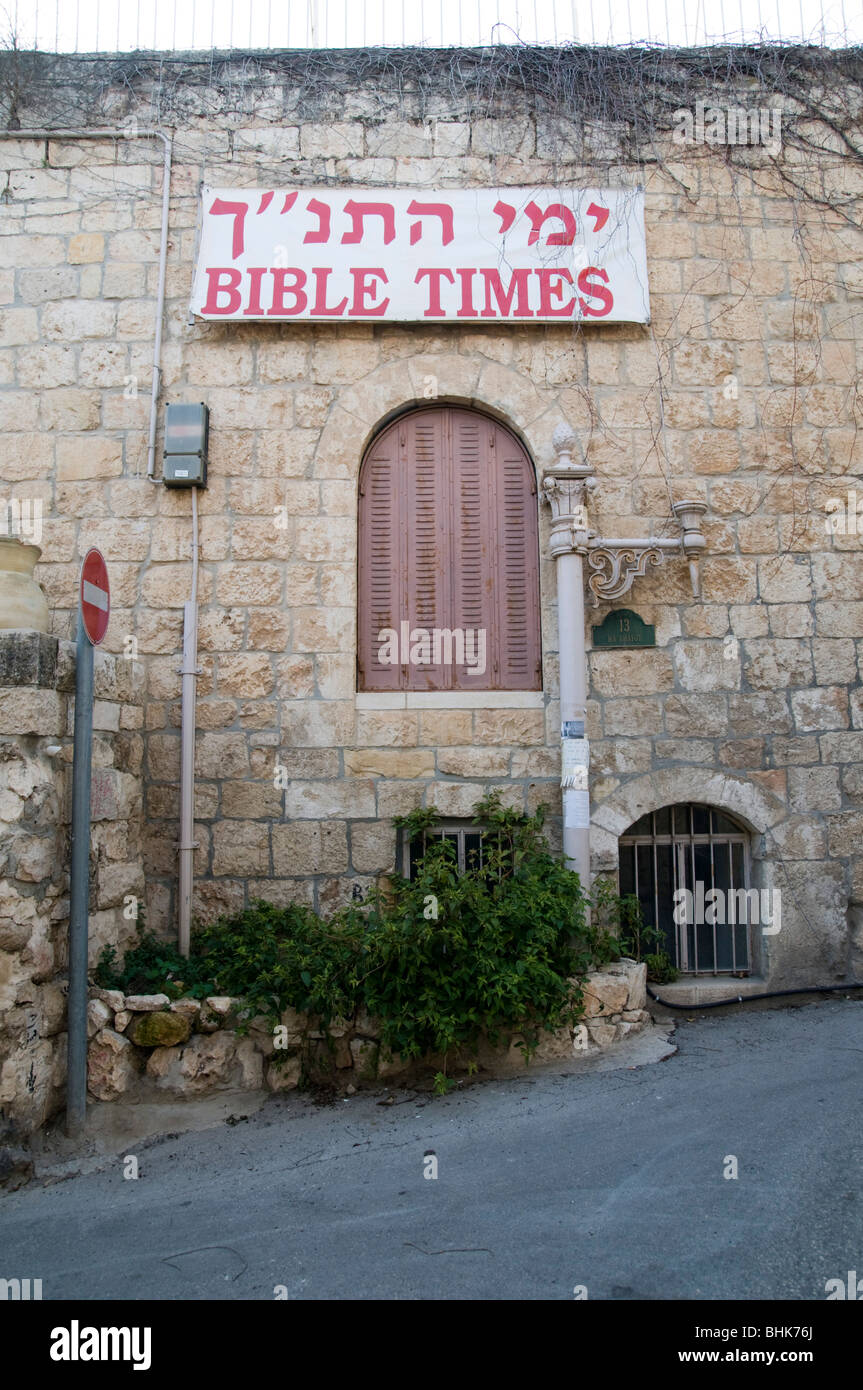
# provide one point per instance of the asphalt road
(608, 1179)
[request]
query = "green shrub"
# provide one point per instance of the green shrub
(280, 956)
(452, 956)
(661, 970)
(441, 959)
(154, 966)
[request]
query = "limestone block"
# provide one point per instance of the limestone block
(319, 723)
(112, 997)
(241, 847)
(285, 1075)
(221, 755)
(373, 846)
(705, 666)
(188, 1008)
(644, 672)
(637, 987)
(145, 1003)
(605, 994)
(776, 664)
(217, 1062)
(364, 1053)
(822, 708)
(24, 710)
(310, 847)
(122, 1019)
(99, 1016)
(112, 1065)
(317, 800)
(334, 140)
(603, 1034)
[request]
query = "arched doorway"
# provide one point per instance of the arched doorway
(688, 865)
(448, 557)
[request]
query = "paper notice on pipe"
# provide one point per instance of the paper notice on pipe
(576, 809)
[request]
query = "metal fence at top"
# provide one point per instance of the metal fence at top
(123, 26)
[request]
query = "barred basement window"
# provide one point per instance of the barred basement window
(448, 557)
(465, 837)
(699, 849)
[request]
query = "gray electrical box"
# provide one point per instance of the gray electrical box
(187, 429)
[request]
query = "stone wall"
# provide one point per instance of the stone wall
(741, 391)
(143, 1047)
(37, 680)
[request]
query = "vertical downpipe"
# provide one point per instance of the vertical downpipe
(565, 487)
(189, 671)
(573, 706)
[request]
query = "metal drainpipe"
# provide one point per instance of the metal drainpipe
(189, 671)
(113, 134)
(565, 486)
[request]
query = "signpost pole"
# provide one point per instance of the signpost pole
(76, 1083)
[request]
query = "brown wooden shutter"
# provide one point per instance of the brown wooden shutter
(449, 540)
(382, 521)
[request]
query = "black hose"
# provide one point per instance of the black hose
(750, 998)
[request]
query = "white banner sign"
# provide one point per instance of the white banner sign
(545, 254)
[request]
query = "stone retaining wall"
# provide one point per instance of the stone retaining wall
(37, 680)
(143, 1047)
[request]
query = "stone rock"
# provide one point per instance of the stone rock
(221, 1004)
(219, 1062)
(160, 1029)
(366, 1026)
(637, 995)
(635, 1016)
(52, 1001)
(112, 1065)
(365, 1058)
(603, 1034)
(112, 997)
(99, 1016)
(208, 1022)
(145, 1003)
(604, 994)
(284, 1076)
(189, 1008)
(121, 1020)
(343, 1055)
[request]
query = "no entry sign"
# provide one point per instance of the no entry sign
(95, 596)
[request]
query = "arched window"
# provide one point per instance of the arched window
(448, 557)
(689, 868)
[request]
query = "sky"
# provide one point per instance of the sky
(88, 26)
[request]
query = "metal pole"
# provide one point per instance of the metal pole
(565, 487)
(79, 894)
(188, 844)
(573, 705)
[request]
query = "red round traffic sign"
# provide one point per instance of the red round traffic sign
(95, 596)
